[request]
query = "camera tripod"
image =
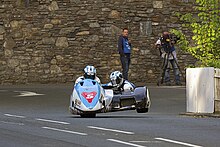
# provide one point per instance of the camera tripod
(165, 66)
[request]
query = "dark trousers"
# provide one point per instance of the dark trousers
(125, 62)
(173, 62)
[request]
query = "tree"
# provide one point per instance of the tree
(205, 26)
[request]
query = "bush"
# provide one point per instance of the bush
(205, 43)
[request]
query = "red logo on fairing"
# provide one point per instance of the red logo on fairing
(89, 96)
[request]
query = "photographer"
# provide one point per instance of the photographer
(165, 44)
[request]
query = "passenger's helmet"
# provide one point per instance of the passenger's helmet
(116, 78)
(89, 72)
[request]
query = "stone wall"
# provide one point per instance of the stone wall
(45, 41)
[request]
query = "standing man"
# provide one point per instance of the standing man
(124, 49)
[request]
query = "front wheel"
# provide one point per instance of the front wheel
(90, 115)
(142, 110)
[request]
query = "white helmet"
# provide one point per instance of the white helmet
(90, 72)
(116, 78)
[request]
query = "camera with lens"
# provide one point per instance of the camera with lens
(166, 42)
(169, 38)
(174, 38)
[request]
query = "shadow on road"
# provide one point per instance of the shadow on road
(113, 116)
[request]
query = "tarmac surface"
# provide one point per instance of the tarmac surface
(37, 115)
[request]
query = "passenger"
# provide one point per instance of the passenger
(119, 83)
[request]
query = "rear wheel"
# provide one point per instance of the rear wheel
(142, 110)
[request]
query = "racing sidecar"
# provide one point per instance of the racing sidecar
(125, 100)
(89, 97)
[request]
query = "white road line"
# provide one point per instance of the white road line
(27, 93)
(112, 130)
(145, 141)
(52, 121)
(66, 131)
(18, 116)
(127, 143)
(178, 142)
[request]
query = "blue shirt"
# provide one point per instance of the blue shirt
(126, 46)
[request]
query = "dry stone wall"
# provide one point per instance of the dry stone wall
(47, 41)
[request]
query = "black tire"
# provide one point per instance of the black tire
(142, 110)
(89, 115)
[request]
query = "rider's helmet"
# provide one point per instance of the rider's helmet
(89, 72)
(116, 78)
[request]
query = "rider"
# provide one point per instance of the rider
(119, 83)
(89, 73)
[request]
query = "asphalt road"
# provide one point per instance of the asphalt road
(37, 115)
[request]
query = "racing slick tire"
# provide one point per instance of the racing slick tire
(142, 110)
(90, 115)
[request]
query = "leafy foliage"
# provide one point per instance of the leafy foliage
(205, 27)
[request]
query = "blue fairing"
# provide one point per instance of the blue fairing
(88, 86)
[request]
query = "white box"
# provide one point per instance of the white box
(200, 90)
